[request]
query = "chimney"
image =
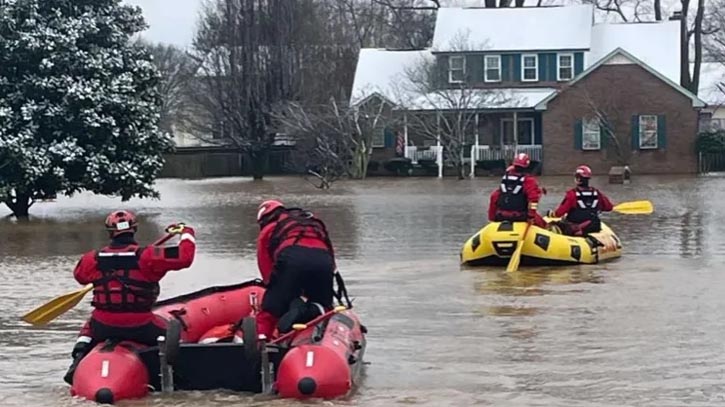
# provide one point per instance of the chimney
(676, 16)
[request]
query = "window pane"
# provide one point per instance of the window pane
(526, 133)
(529, 62)
(590, 141)
(492, 75)
(648, 131)
(492, 62)
(456, 62)
(530, 73)
(565, 61)
(456, 76)
(565, 73)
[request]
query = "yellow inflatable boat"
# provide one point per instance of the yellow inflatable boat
(495, 243)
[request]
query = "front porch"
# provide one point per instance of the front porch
(488, 143)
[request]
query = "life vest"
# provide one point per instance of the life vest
(512, 198)
(587, 206)
(119, 288)
(294, 225)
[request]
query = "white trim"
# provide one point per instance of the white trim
(485, 68)
(105, 367)
(559, 78)
(84, 339)
(524, 68)
(639, 132)
(599, 132)
(188, 236)
(696, 101)
(520, 119)
(462, 58)
(116, 254)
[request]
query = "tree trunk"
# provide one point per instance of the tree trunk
(695, 81)
(658, 10)
(20, 206)
(259, 163)
(490, 3)
(684, 47)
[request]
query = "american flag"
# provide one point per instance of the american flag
(399, 144)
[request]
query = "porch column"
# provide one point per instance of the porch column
(516, 132)
(474, 153)
(405, 134)
(439, 154)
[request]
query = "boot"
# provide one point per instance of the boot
(80, 350)
(300, 312)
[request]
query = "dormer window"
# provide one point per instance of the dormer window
(456, 69)
(492, 68)
(530, 67)
(565, 68)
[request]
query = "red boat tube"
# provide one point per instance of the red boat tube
(325, 367)
(111, 373)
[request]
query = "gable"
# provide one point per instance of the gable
(622, 57)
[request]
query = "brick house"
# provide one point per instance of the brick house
(546, 81)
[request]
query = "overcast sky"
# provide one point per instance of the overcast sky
(174, 21)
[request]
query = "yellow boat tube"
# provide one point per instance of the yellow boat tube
(495, 243)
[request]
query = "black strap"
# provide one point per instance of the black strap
(341, 291)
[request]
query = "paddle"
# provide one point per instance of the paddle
(64, 303)
(635, 208)
(516, 257)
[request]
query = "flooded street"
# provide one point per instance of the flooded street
(645, 330)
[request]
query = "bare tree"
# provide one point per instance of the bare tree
(177, 70)
(335, 140)
(249, 53)
(446, 113)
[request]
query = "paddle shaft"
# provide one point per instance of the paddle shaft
(294, 332)
(516, 256)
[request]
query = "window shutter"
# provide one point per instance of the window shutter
(661, 132)
(578, 135)
(635, 132)
(505, 67)
(603, 137)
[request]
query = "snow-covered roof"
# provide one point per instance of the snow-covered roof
(655, 44)
(513, 29)
(485, 99)
(379, 71)
(712, 75)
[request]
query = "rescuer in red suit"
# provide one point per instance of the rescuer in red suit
(125, 278)
(295, 258)
(517, 197)
(582, 205)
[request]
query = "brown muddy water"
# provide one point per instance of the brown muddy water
(646, 330)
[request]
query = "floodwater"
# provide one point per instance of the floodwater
(646, 330)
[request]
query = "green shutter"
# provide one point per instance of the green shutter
(551, 68)
(578, 135)
(578, 63)
(635, 132)
(506, 68)
(661, 132)
(517, 67)
(603, 137)
(542, 66)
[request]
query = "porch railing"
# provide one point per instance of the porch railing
(507, 153)
(416, 154)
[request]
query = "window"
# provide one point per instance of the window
(565, 71)
(525, 130)
(591, 134)
(530, 68)
(378, 139)
(647, 132)
(492, 68)
(456, 69)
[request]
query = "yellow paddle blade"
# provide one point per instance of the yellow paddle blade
(635, 208)
(516, 257)
(56, 307)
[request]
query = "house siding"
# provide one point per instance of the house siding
(636, 92)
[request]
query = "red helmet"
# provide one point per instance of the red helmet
(583, 171)
(522, 160)
(266, 208)
(119, 222)
(510, 168)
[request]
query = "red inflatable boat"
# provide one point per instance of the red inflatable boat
(320, 359)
